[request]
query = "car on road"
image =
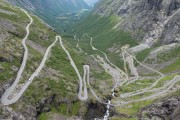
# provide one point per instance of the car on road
(30, 79)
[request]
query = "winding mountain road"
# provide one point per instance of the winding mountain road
(159, 91)
(119, 75)
(129, 59)
(165, 89)
(149, 89)
(4, 98)
(11, 96)
(145, 89)
(83, 94)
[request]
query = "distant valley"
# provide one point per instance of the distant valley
(91, 2)
(59, 14)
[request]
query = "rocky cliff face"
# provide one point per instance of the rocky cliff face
(164, 110)
(150, 21)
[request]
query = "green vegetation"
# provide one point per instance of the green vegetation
(164, 80)
(63, 80)
(41, 34)
(140, 84)
(75, 108)
(116, 59)
(67, 109)
(168, 55)
(173, 67)
(117, 118)
(60, 61)
(64, 22)
(55, 10)
(43, 116)
(101, 75)
(103, 33)
(66, 82)
(63, 109)
(18, 16)
(143, 54)
(33, 62)
(142, 95)
(6, 67)
(10, 47)
(133, 108)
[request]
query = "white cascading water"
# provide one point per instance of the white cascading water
(107, 111)
(114, 89)
(106, 116)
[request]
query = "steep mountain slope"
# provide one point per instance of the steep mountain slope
(134, 70)
(149, 31)
(53, 11)
(149, 20)
(150, 24)
(53, 93)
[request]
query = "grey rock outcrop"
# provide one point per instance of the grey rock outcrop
(7, 113)
(168, 109)
(150, 21)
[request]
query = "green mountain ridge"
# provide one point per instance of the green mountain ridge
(51, 11)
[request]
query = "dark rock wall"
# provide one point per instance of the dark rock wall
(150, 21)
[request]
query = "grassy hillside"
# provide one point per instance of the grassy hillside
(61, 74)
(104, 34)
(57, 80)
